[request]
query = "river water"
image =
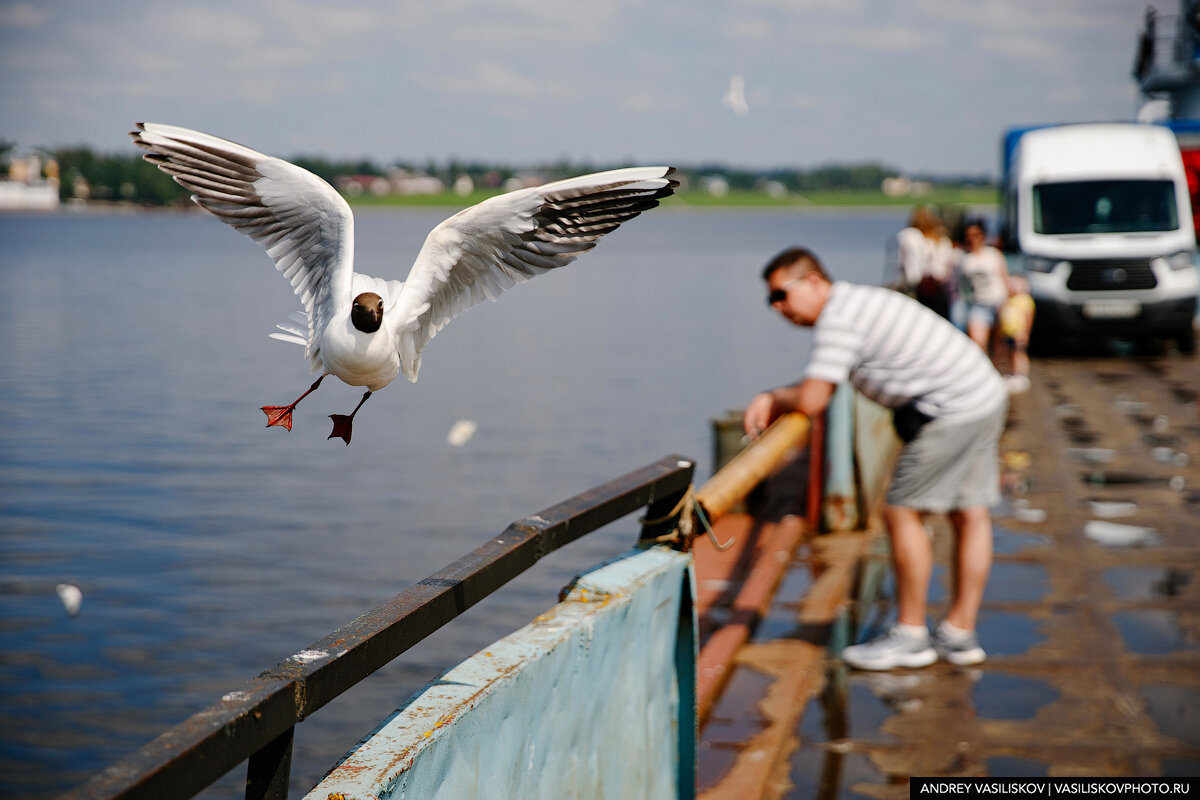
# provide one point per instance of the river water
(134, 461)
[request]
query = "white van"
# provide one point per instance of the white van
(1101, 218)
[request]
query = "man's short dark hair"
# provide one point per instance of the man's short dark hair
(795, 256)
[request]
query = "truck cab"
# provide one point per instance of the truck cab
(1101, 219)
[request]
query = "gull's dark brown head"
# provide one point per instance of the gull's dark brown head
(367, 312)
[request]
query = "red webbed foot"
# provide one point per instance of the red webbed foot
(279, 416)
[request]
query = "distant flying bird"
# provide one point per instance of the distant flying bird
(735, 96)
(368, 330)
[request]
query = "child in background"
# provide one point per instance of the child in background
(1016, 320)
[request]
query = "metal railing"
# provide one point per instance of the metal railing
(257, 722)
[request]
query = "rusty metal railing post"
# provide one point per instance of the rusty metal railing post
(816, 473)
(269, 770)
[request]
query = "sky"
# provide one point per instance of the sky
(925, 86)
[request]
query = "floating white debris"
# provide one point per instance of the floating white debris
(1163, 455)
(71, 597)
(1092, 455)
(1114, 534)
(1177, 483)
(1033, 515)
(1180, 459)
(1132, 406)
(1161, 423)
(461, 432)
(1109, 509)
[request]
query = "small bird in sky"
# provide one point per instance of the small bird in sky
(367, 330)
(735, 96)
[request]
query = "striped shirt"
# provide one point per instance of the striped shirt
(896, 351)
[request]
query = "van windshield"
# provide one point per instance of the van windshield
(1112, 206)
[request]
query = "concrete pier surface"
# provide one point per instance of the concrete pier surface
(1091, 619)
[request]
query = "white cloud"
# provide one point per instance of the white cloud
(191, 26)
(892, 37)
(492, 78)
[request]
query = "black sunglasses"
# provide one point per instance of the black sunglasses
(779, 295)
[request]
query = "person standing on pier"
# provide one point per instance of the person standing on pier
(949, 406)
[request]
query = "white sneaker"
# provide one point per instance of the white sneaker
(902, 646)
(957, 646)
(1016, 383)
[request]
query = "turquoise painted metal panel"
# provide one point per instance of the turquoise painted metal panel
(594, 699)
(876, 446)
(840, 505)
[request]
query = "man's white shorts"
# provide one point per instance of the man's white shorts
(951, 465)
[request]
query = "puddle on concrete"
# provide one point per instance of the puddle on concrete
(1015, 583)
(1012, 767)
(853, 711)
(823, 773)
(1003, 633)
(1183, 394)
(1117, 478)
(999, 695)
(1175, 709)
(1146, 582)
(781, 620)
(733, 721)
(1152, 632)
(735, 717)
(1116, 534)
(1006, 542)
(939, 582)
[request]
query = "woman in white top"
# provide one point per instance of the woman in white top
(983, 280)
(926, 258)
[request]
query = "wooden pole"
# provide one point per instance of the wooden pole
(752, 465)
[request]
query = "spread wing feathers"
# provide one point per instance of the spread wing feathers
(480, 252)
(305, 226)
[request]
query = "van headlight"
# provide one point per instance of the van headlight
(1038, 264)
(1182, 260)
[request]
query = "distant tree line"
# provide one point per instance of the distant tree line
(126, 177)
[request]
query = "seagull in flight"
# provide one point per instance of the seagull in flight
(367, 330)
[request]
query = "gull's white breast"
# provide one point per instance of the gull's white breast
(357, 358)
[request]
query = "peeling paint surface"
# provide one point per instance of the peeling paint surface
(581, 703)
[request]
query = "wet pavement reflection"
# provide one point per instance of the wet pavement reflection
(1091, 617)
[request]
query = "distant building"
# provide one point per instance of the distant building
(32, 185)
(900, 186)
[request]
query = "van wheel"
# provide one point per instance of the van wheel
(1185, 340)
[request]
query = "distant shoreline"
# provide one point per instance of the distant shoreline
(735, 200)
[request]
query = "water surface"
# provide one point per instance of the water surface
(134, 461)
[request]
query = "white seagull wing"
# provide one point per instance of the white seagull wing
(304, 224)
(505, 240)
